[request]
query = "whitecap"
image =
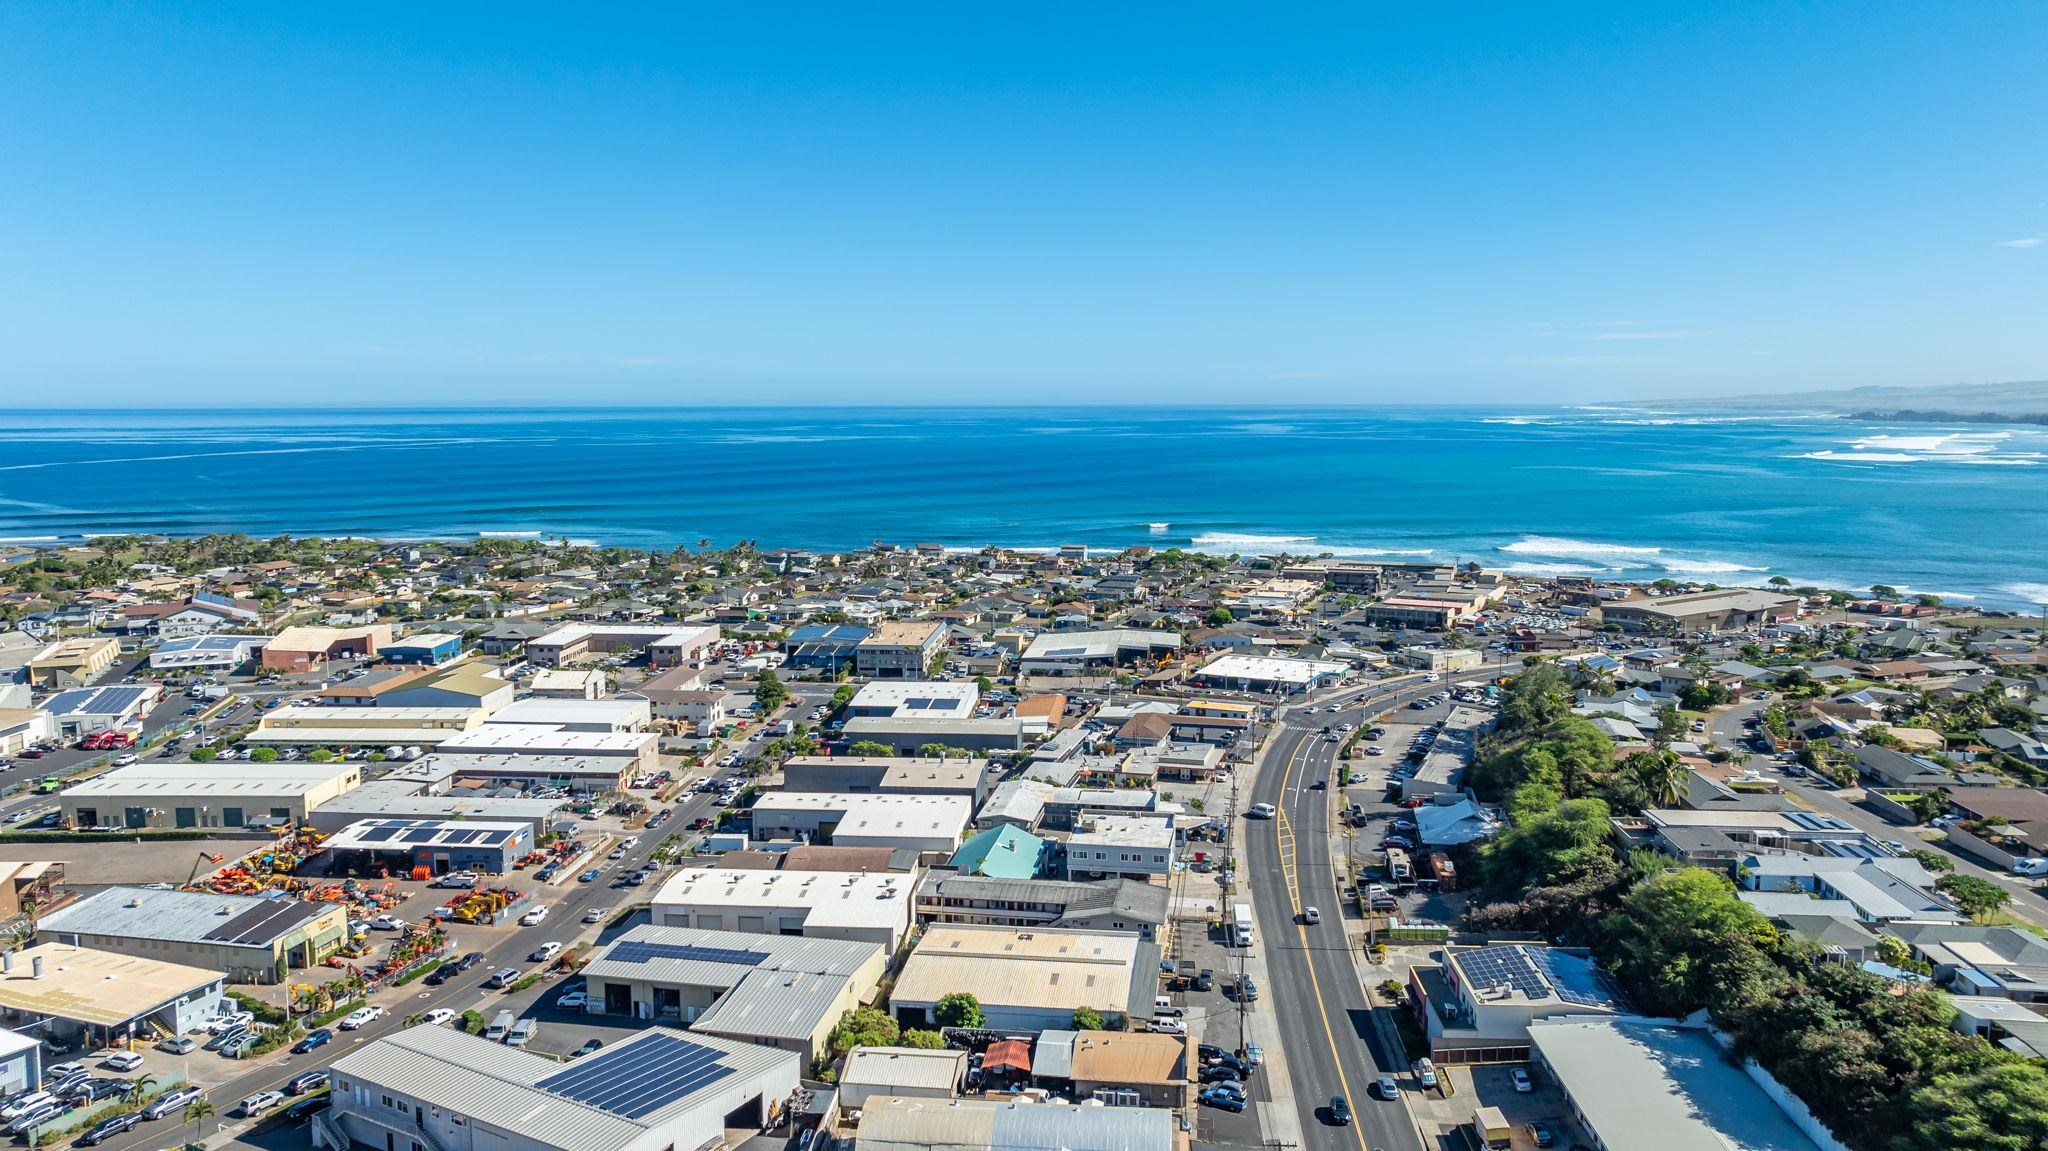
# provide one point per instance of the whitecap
(1234, 540)
(1540, 568)
(1555, 546)
(2031, 592)
(1158, 527)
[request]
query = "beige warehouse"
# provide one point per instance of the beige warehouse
(178, 794)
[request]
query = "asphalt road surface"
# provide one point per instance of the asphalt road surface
(1333, 1047)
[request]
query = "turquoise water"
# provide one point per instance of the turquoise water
(1958, 511)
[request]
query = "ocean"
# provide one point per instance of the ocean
(1958, 511)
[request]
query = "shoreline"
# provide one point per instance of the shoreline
(2019, 600)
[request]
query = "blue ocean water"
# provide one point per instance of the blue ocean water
(1954, 510)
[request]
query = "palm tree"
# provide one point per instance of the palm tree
(198, 1112)
(1662, 775)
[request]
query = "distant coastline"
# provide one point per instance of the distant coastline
(1919, 416)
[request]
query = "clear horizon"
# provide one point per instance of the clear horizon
(476, 206)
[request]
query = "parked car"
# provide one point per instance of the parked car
(178, 1045)
(596, 914)
(387, 923)
(589, 1045)
(1520, 1079)
(305, 1109)
(1540, 1134)
(122, 1061)
(305, 1081)
(1223, 1100)
(533, 918)
(36, 1117)
(545, 952)
(109, 1127)
(502, 977)
(258, 1103)
(575, 1000)
(438, 1016)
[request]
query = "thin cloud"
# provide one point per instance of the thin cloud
(2022, 242)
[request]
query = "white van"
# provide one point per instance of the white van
(500, 1027)
(522, 1032)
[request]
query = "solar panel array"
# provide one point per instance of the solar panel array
(925, 703)
(647, 952)
(1533, 972)
(638, 1079)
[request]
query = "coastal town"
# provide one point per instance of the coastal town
(507, 844)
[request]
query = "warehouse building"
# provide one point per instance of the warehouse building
(1726, 609)
(775, 990)
(907, 1072)
(306, 647)
(1030, 979)
(918, 822)
(665, 645)
(72, 662)
(1105, 905)
(175, 793)
(632, 751)
(1639, 1083)
(887, 775)
(447, 772)
(578, 714)
(438, 1089)
(905, 736)
(413, 798)
(1269, 674)
(423, 847)
(428, 647)
(84, 710)
(914, 699)
(208, 652)
(1088, 653)
(348, 726)
(23, 727)
(874, 908)
(462, 686)
(77, 995)
(823, 646)
(246, 936)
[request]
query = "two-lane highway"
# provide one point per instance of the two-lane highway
(1333, 1047)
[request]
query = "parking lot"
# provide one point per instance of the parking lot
(1213, 1017)
(1466, 1089)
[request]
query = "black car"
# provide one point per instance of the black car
(1220, 1073)
(468, 961)
(304, 1109)
(109, 1127)
(1340, 1111)
(441, 974)
(305, 1081)
(1209, 1052)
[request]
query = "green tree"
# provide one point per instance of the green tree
(1672, 930)
(1893, 950)
(205, 754)
(928, 1040)
(841, 696)
(1661, 774)
(769, 691)
(2000, 1107)
(1979, 898)
(931, 751)
(1670, 726)
(984, 684)
(870, 747)
(320, 755)
(1700, 694)
(863, 1027)
(263, 755)
(197, 1113)
(1087, 1019)
(960, 1009)
(1219, 617)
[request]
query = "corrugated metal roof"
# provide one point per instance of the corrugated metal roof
(774, 1005)
(908, 1123)
(189, 916)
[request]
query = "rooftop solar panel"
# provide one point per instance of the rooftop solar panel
(495, 836)
(419, 835)
(379, 834)
(639, 1078)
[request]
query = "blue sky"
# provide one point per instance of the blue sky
(282, 203)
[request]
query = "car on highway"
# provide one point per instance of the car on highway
(502, 977)
(545, 952)
(596, 914)
(1340, 1111)
(1386, 1088)
(1261, 811)
(171, 1102)
(438, 1016)
(1311, 916)
(533, 918)
(361, 1017)
(590, 876)
(313, 1040)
